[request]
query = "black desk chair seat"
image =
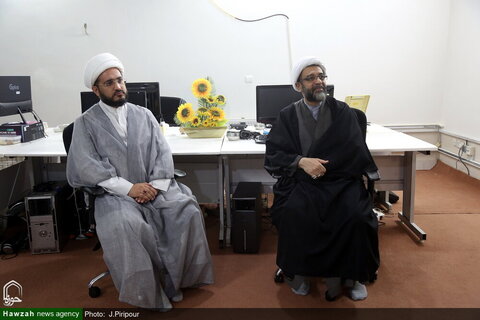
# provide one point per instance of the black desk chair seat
(91, 194)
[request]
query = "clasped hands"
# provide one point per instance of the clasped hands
(313, 166)
(143, 192)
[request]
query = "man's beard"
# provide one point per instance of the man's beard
(313, 96)
(114, 103)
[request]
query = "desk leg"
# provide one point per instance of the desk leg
(228, 216)
(384, 200)
(407, 216)
(221, 172)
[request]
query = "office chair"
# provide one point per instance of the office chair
(169, 106)
(92, 193)
(370, 175)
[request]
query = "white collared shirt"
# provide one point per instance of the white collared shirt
(118, 117)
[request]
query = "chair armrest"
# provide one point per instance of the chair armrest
(177, 173)
(94, 191)
(373, 175)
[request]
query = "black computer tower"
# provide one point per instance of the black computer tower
(246, 217)
(44, 220)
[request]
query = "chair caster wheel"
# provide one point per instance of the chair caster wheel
(94, 292)
(279, 277)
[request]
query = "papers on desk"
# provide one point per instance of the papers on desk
(358, 102)
(7, 140)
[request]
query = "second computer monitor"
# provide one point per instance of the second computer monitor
(89, 98)
(273, 98)
(145, 94)
(151, 93)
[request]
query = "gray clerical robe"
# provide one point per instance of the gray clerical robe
(154, 249)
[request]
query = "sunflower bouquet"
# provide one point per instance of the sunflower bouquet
(210, 111)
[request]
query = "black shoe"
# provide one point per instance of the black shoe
(330, 298)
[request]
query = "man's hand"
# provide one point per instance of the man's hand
(143, 192)
(313, 166)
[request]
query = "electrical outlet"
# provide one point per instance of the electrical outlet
(458, 143)
(248, 78)
(469, 150)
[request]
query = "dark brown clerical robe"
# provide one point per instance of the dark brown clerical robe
(326, 226)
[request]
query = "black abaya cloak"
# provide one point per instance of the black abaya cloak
(326, 226)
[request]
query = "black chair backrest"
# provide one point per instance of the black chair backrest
(169, 106)
(67, 136)
(362, 121)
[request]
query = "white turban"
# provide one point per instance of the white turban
(302, 64)
(96, 65)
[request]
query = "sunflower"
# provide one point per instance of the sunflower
(185, 113)
(202, 111)
(201, 88)
(217, 113)
(220, 99)
(210, 99)
(195, 122)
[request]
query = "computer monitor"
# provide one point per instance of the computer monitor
(273, 98)
(15, 95)
(151, 91)
(89, 98)
(145, 94)
(169, 108)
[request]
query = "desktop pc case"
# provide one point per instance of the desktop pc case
(246, 217)
(44, 221)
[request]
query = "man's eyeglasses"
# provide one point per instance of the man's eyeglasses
(112, 82)
(312, 77)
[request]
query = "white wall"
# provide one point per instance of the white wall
(461, 106)
(394, 50)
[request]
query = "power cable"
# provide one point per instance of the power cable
(264, 18)
(460, 154)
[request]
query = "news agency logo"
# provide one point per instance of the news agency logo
(9, 288)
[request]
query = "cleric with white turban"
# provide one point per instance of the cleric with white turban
(150, 226)
(98, 64)
(322, 211)
(302, 64)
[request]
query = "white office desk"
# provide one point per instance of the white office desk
(242, 160)
(181, 144)
(382, 140)
(51, 146)
(394, 153)
(200, 158)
